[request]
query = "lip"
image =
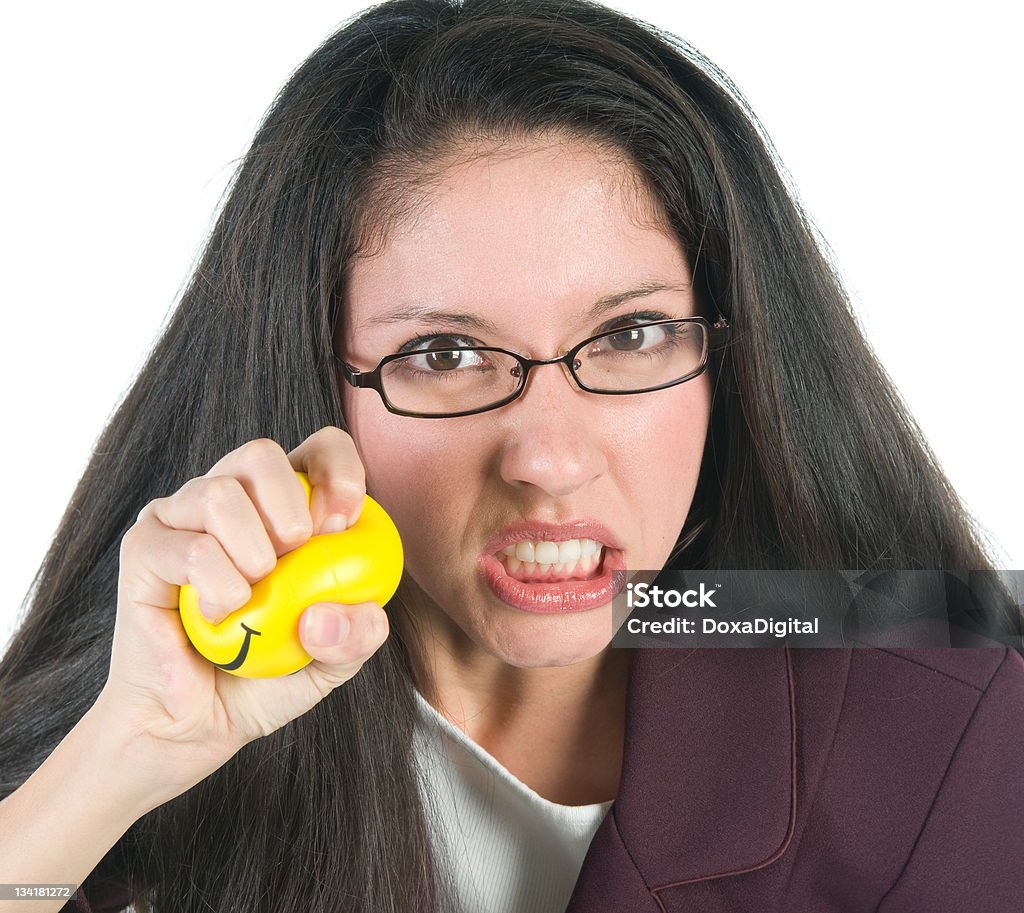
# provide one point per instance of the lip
(564, 596)
(541, 531)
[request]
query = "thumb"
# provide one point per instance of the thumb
(340, 638)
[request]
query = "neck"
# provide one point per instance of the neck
(558, 729)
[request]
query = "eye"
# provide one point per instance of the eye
(633, 339)
(443, 361)
(634, 333)
(438, 356)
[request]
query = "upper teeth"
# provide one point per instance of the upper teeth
(544, 552)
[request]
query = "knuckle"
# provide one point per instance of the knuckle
(128, 542)
(149, 510)
(235, 594)
(261, 450)
(264, 564)
(371, 635)
(219, 493)
(200, 549)
(348, 490)
(333, 435)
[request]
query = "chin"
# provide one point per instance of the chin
(542, 649)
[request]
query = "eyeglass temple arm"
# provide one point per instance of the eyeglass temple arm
(720, 332)
(357, 378)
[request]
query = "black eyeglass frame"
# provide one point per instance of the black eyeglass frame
(718, 336)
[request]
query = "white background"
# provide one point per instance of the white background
(122, 123)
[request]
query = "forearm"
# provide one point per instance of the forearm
(60, 823)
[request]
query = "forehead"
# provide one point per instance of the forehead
(404, 193)
(553, 223)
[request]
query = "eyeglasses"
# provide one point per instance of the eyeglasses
(445, 381)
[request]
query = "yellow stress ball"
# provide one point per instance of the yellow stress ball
(261, 639)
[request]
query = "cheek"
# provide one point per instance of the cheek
(662, 460)
(413, 468)
(402, 470)
(666, 437)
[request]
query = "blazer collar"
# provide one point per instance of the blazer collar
(709, 762)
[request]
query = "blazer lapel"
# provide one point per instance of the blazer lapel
(708, 780)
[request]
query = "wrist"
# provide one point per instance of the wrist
(145, 770)
(125, 770)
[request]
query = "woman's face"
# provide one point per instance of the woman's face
(515, 249)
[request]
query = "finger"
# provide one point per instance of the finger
(262, 467)
(329, 459)
(164, 559)
(340, 638)
(221, 507)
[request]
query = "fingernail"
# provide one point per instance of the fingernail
(335, 523)
(325, 627)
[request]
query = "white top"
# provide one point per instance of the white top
(509, 849)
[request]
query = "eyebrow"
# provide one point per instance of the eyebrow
(472, 321)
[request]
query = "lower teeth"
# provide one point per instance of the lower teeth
(525, 570)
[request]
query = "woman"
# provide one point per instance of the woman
(526, 176)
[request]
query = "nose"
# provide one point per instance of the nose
(554, 435)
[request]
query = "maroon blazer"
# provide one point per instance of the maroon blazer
(809, 781)
(816, 781)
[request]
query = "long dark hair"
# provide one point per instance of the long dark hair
(812, 461)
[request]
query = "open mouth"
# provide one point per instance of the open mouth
(556, 577)
(553, 562)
